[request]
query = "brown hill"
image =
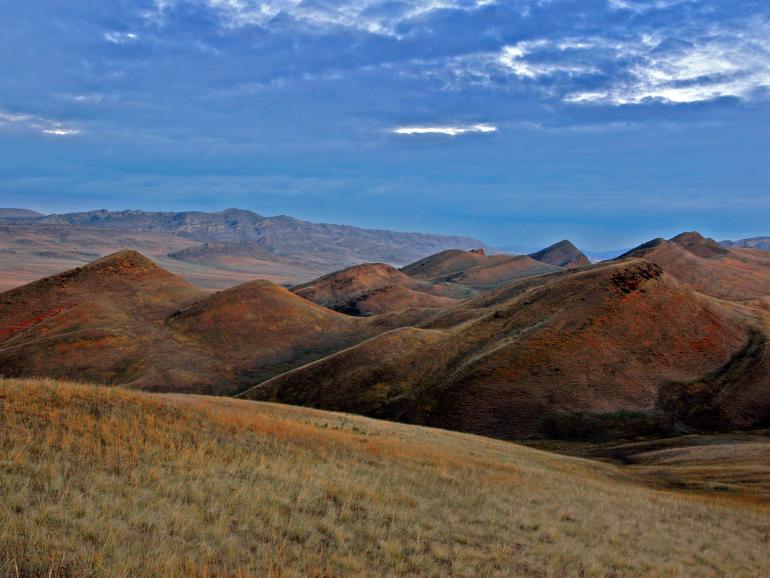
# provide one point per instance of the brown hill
(99, 321)
(737, 274)
(467, 273)
(393, 298)
(370, 289)
(446, 263)
(499, 270)
(562, 254)
(124, 320)
(570, 356)
(258, 329)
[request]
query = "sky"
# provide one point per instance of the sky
(519, 122)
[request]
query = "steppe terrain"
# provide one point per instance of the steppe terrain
(110, 482)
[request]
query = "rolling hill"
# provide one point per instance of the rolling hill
(105, 481)
(124, 320)
(628, 347)
(468, 273)
(562, 254)
(569, 354)
(371, 288)
(736, 274)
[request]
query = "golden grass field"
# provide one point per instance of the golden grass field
(98, 481)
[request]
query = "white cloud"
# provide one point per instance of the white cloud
(449, 130)
(718, 66)
(36, 123)
(641, 6)
(512, 59)
(120, 37)
(374, 16)
(61, 131)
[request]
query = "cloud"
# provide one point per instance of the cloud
(36, 123)
(374, 16)
(642, 6)
(512, 59)
(61, 131)
(120, 37)
(721, 65)
(449, 130)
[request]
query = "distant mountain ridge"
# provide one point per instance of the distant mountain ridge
(15, 214)
(280, 235)
(762, 243)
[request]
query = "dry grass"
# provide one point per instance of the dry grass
(107, 482)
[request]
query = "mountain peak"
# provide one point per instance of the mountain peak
(562, 254)
(699, 245)
(124, 261)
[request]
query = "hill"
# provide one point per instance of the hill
(736, 274)
(105, 481)
(562, 254)
(101, 321)
(124, 320)
(762, 243)
(562, 355)
(254, 331)
(467, 273)
(369, 289)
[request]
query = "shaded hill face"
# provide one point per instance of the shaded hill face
(315, 244)
(548, 361)
(736, 274)
(562, 254)
(371, 289)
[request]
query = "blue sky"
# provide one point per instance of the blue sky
(519, 122)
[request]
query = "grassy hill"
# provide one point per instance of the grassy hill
(109, 482)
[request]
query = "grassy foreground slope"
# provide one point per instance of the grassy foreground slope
(105, 481)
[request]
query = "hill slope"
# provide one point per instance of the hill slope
(124, 320)
(615, 338)
(100, 321)
(562, 254)
(736, 274)
(368, 289)
(468, 273)
(102, 481)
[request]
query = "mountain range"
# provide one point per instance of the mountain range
(213, 250)
(671, 337)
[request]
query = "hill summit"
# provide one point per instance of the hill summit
(562, 254)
